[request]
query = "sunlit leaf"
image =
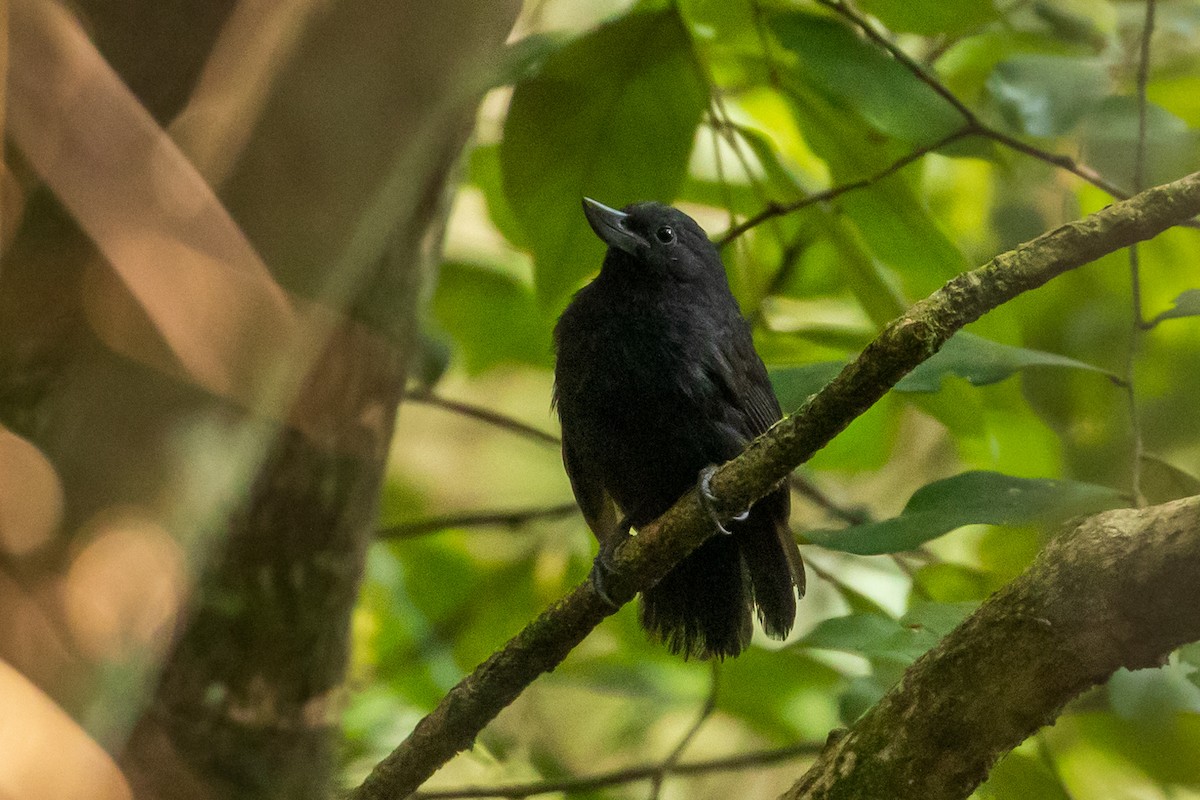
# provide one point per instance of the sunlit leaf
(970, 498)
(1185, 305)
(1018, 776)
(611, 116)
(931, 17)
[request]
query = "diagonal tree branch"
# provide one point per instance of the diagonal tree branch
(1116, 591)
(645, 558)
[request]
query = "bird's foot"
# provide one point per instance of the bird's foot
(707, 499)
(601, 576)
(604, 567)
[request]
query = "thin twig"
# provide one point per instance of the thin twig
(923, 75)
(478, 519)
(630, 775)
(975, 124)
(779, 209)
(706, 711)
(502, 421)
(1138, 326)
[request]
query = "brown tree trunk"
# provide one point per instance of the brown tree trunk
(339, 186)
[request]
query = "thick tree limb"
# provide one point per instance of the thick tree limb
(904, 344)
(1117, 591)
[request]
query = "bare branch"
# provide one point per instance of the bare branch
(486, 415)
(482, 519)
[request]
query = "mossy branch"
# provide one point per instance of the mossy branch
(904, 344)
(1116, 591)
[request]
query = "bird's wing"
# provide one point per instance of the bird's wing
(745, 386)
(594, 501)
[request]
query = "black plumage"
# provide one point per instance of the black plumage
(656, 379)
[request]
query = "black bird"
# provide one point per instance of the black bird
(656, 381)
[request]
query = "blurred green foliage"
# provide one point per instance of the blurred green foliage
(725, 109)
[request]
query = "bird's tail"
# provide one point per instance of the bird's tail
(702, 607)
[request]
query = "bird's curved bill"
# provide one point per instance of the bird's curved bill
(610, 225)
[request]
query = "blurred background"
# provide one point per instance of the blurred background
(238, 235)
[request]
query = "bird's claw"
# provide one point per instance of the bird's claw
(603, 568)
(707, 499)
(600, 576)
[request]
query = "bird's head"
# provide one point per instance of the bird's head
(652, 241)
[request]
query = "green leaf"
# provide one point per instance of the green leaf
(950, 583)
(611, 116)
(1185, 305)
(493, 317)
(1047, 95)
(484, 172)
(1163, 482)
(875, 636)
(857, 633)
(981, 362)
(1151, 695)
(931, 17)
(793, 385)
(1110, 136)
(861, 111)
(853, 73)
(977, 360)
(970, 498)
(938, 619)
(1018, 776)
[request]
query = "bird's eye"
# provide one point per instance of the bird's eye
(665, 234)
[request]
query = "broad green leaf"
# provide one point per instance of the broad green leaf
(1163, 482)
(860, 111)
(484, 172)
(973, 358)
(932, 17)
(1087, 22)
(1151, 695)
(1018, 776)
(981, 361)
(857, 633)
(794, 385)
(1110, 135)
(853, 73)
(611, 116)
(965, 67)
(801, 688)
(492, 317)
(950, 583)
(1162, 749)
(1185, 305)
(966, 499)
(937, 619)
(1046, 95)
